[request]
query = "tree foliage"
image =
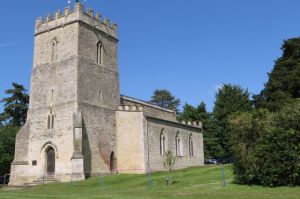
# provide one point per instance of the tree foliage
(7, 147)
(165, 99)
(266, 147)
(15, 106)
(284, 80)
(229, 99)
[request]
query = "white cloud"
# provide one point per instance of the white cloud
(8, 44)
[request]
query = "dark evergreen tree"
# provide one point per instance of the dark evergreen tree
(165, 99)
(229, 99)
(15, 106)
(284, 79)
(7, 147)
(189, 113)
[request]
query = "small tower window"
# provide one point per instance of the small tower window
(54, 43)
(52, 121)
(48, 121)
(99, 53)
(100, 94)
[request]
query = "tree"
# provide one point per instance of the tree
(229, 99)
(266, 147)
(15, 106)
(247, 128)
(7, 147)
(189, 113)
(284, 80)
(212, 142)
(212, 147)
(169, 164)
(165, 99)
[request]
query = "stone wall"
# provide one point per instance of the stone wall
(130, 141)
(66, 80)
(170, 129)
(135, 129)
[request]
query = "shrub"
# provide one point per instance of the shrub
(266, 147)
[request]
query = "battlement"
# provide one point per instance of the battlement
(130, 108)
(68, 16)
(133, 108)
(194, 123)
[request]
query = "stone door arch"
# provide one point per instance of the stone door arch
(50, 160)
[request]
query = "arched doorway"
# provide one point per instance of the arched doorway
(50, 161)
(112, 162)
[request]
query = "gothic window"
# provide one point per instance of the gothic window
(162, 143)
(50, 119)
(178, 144)
(54, 44)
(191, 147)
(99, 53)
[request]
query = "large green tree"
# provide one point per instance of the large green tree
(165, 99)
(7, 147)
(284, 80)
(15, 106)
(229, 99)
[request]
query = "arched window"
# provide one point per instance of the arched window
(50, 119)
(54, 43)
(178, 143)
(99, 53)
(162, 143)
(191, 147)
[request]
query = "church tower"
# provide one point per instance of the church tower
(70, 131)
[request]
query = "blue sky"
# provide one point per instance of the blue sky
(189, 47)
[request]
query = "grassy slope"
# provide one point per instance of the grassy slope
(190, 183)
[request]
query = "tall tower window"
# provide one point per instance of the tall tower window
(50, 118)
(100, 51)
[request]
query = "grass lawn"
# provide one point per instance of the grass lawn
(200, 183)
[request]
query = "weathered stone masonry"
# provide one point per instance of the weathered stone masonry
(78, 125)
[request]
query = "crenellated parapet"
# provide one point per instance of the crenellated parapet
(131, 108)
(194, 123)
(78, 13)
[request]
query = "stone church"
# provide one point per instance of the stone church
(78, 124)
